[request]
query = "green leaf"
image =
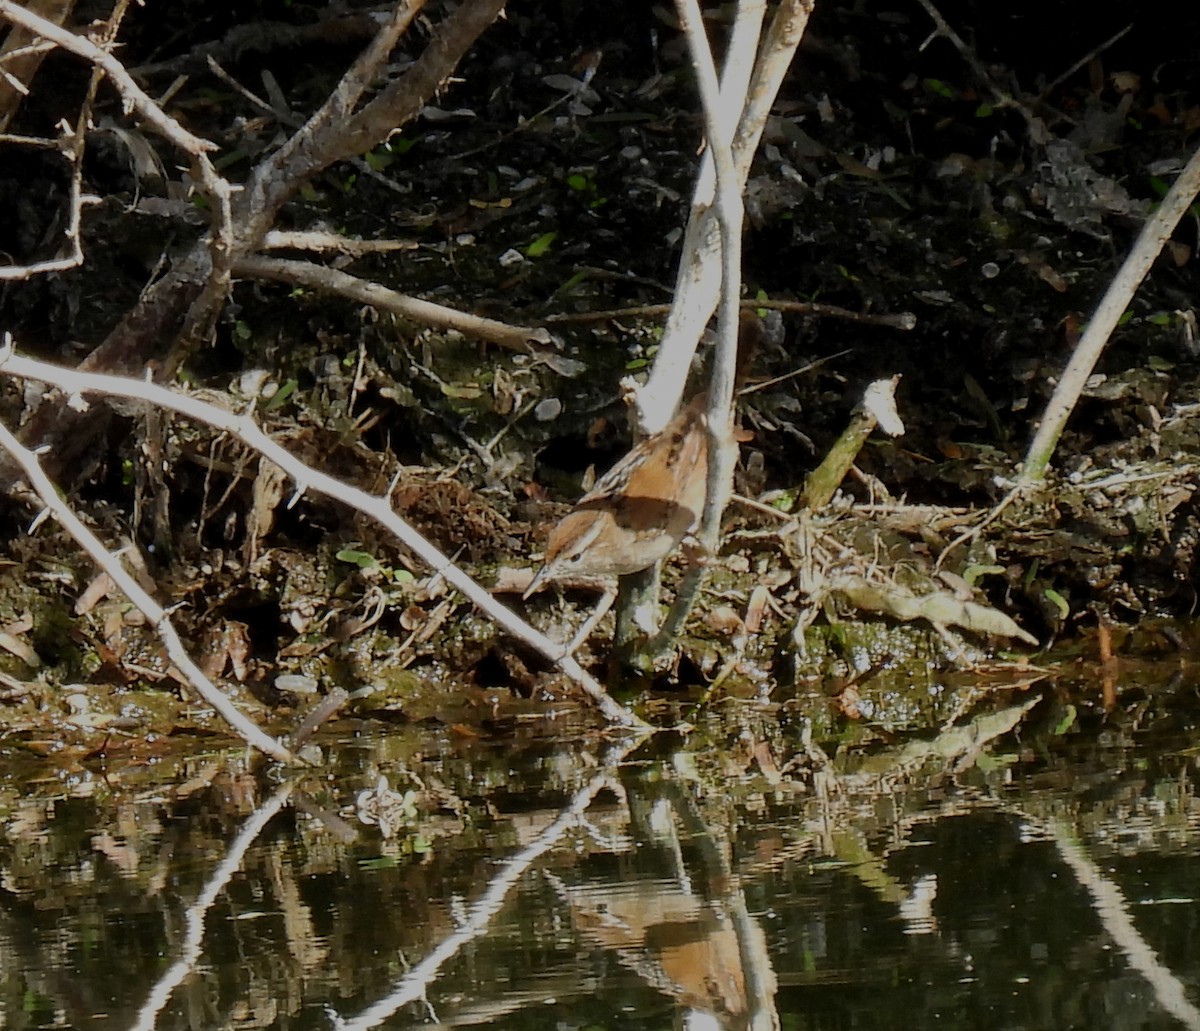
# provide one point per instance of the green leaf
(984, 110)
(786, 501)
(280, 396)
(577, 181)
(541, 245)
(972, 573)
(1030, 574)
(574, 281)
(402, 144)
(357, 558)
(1058, 601)
(378, 160)
(1067, 721)
(940, 88)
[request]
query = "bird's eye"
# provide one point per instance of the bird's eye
(576, 557)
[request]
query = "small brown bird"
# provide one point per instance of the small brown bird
(639, 511)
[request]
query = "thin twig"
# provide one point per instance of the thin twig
(320, 277)
(904, 320)
(1094, 52)
(1001, 96)
(130, 91)
(1149, 244)
(278, 239)
(972, 532)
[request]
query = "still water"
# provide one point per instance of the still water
(1013, 874)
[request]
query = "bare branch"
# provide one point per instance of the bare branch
(72, 144)
(20, 57)
(218, 189)
(722, 451)
(318, 277)
(83, 47)
(696, 285)
(280, 239)
(1149, 244)
(335, 133)
(904, 320)
(191, 295)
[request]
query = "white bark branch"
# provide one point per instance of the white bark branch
(319, 277)
(1149, 244)
(697, 283)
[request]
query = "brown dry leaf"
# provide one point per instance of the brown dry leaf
(1180, 253)
(267, 493)
(596, 430)
(724, 620)
(949, 449)
(766, 762)
(21, 625)
(412, 617)
(937, 607)
(226, 645)
(1125, 82)
(504, 393)
(1160, 111)
(848, 701)
(756, 609)
(100, 587)
(237, 642)
(21, 649)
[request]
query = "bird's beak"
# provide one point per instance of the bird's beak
(539, 581)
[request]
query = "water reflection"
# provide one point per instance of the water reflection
(966, 882)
